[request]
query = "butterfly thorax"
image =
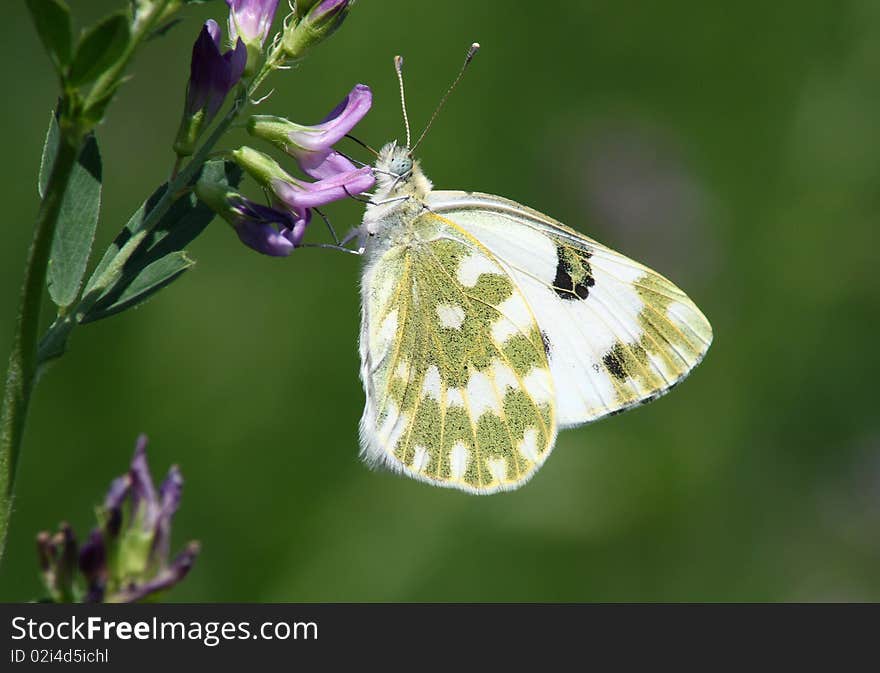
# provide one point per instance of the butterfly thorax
(400, 195)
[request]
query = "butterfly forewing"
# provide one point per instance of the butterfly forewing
(459, 391)
(617, 333)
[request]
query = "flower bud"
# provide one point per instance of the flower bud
(321, 21)
(127, 556)
(93, 566)
(261, 167)
(250, 20)
(212, 76)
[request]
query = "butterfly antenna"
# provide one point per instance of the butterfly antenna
(475, 47)
(362, 144)
(398, 67)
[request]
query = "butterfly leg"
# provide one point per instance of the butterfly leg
(356, 198)
(370, 202)
(330, 246)
(329, 226)
(337, 244)
(360, 234)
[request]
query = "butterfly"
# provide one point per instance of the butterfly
(487, 326)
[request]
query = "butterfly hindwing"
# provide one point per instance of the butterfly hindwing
(617, 333)
(458, 385)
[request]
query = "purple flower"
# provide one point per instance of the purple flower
(267, 230)
(211, 77)
(250, 20)
(126, 557)
(296, 194)
(329, 10)
(312, 146)
(212, 74)
(113, 502)
(93, 566)
(151, 510)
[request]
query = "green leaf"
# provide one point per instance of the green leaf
(50, 149)
(77, 220)
(94, 113)
(75, 231)
(149, 280)
(52, 20)
(99, 48)
(183, 222)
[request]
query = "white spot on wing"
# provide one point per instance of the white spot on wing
(432, 384)
(529, 445)
(481, 395)
(458, 459)
(538, 385)
(515, 318)
(450, 315)
(386, 333)
(420, 460)
(454, 398)
(504, 376)
(498, 468)
(392, 428)
(472, 267)
(402, 371)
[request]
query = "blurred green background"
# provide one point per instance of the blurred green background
(732, 146)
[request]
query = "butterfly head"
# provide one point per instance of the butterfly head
(398, 174)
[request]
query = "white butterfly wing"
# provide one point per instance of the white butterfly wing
(618, 333)
(457, 382)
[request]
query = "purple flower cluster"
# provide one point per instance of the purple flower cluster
(126, 558)
(276, 231)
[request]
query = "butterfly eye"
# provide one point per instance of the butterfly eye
(401, 165)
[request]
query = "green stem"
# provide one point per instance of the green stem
(140, 29)
(26, 357)
(23, 362)
(52, 344)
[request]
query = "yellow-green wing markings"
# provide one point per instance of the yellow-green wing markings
(619, 333)
(461, 395)
(520, 352)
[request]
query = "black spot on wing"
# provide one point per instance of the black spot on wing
(574, 275)
(563, 283)
(613, 361)
(546, 341)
